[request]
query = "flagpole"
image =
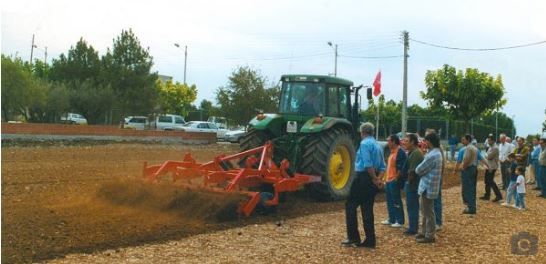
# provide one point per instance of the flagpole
(377, 120)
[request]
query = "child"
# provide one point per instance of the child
(511, 190)
(520, 188)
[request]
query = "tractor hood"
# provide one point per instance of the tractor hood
(277, 124)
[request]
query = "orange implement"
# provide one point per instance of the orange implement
(219, 175)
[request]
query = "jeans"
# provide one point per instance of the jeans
(505, 175)
(395, 207)
(520, 200)
(412, 203)
(428, 227)
(468, 180)
(362, 194)
(510, 192)
(452, 150)
(538, 177)
(491, 184)
(543, 179)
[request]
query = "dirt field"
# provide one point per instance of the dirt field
(58, 200)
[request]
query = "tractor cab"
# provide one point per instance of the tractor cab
(312, 95)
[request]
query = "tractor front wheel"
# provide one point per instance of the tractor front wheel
(331, 155)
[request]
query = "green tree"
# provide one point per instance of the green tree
(465, 95)
(176, 97)
(246, 92)
(82, 63)
(127, 69)
(209, 109)
(16, 87)
(91, 99)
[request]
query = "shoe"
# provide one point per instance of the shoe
(349, 243)
(505, 204)
(419, 236)
(366, 244)
(410, 233)
(468, 211)
(514, 206)
(425, 240)
(521, 208)
(396, 225)
(540, 195)
(438, 227)
(386, 222)
(484, 198)
(536, 188)
(497, 199)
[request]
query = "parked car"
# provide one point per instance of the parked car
(136, 122)
(169, 122)
(207, 127)
(73, 119)
(235, 136)
(220, 122)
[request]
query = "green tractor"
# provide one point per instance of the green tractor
(316, 129)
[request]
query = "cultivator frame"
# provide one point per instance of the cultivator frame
(220, 176)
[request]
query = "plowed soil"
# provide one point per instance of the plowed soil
(67, 199)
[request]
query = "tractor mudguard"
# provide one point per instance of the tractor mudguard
(266, 123)
(327, 122)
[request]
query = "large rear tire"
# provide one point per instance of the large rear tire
(253, 139)
(331, 155)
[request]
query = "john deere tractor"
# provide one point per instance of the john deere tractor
(315, 128)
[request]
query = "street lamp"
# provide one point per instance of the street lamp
(335, 54)
(185, 58)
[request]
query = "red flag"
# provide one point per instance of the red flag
(377, 84)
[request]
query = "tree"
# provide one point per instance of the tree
(82, 63)
(91, 99)
(16, 87)
(245, 93)
(465, 95)
(209, 109)
(176, 97)
(389, 114)
(127, 69)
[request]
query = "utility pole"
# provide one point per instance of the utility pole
(335, 56)
(405, 36)
(185, 61)
(45, 57)
(32, 49)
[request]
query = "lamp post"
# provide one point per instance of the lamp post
(335, 56)
(185, 58)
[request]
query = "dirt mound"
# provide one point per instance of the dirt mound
(196, 204)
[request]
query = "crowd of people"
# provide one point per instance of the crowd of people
(419, 173)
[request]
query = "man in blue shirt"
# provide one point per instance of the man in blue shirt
(369, 167)
(534, 162)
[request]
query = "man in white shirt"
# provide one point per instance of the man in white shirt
(505, 149)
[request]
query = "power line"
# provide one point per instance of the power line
(371, 57)
(479, 49)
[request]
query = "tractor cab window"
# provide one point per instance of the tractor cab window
(302, 98)
(337, 102)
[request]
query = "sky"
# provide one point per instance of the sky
(280, 37)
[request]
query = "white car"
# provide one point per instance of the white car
(169, 122)
(136, 122)
(235, 136)
(73, 119)
(207, 127)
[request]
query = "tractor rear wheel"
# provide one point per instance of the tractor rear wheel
(253, 139)
(331, 154)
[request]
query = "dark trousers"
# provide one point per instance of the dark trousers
(505, 175)
(362, 194)
(412, 202)
(490, 183)
(468, 180)
(543, 179)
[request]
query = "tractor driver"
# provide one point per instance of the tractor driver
(311, 102)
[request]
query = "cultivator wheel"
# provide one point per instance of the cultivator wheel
(330, 154)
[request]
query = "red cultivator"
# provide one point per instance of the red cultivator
(219, 176)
